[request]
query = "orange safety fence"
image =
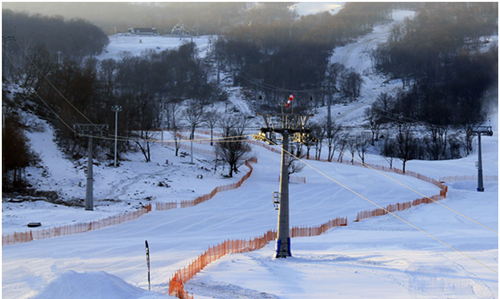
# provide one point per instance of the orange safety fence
(374, 166)
(71, 229)
(163, 206)
(176, 283)
(398, 207)
(317, 230)
(77, 228)
(203, 198)
(182, 276)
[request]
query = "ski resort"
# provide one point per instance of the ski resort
(263, 191)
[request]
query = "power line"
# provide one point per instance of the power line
(411, 120)
(50, 83)
(254, 80)
(124, 139)
(41, 99)
(408, 187)
(391, 213)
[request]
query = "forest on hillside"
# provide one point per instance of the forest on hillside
(293, 54)
(449, 78)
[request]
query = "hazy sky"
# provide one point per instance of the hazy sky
(303, 8)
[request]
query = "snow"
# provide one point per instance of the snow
(381, 257)
(357, 56)
(136, 44)
(127, 188)
(92, 285)
(309, 8)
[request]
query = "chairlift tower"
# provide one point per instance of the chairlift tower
(284, 123)
(90, 130)
(487, 131)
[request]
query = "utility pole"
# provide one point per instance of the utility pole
(117, 109)
(285, 124)
(90, 130)
(192, 137)
(487, 131)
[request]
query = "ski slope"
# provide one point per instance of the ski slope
(384, 255)
(381, 257)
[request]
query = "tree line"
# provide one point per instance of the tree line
(67, 87)
(272, 55)
(73, 38)
(268, 51)
(448, 71)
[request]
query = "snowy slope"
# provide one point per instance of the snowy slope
(136, 44)
(382, 254)
(376, 258)
(357, 56)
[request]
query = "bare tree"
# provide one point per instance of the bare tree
(318, 131)
(146, 110)
(362, 141)
(468, 137)
(332, 134)
(233, 148)
(352, 146)
(388, 150)
(342, 146)
(437, 142)
(212, 118)
(174, 124)
(374, 123)
(294, 164)
(351, 84)
(406, 144)
(383, 105)
(193, 115)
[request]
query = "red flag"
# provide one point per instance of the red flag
(290, 100)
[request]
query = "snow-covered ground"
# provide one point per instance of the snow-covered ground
(357, 56)
(380, 257)
(308, 8)
(383, 255)
(136, 44)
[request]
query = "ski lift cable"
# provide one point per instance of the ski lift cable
(273, 88)
(418, 192)
(50, 83)
(216, 139)
(409, 119)
(389, 212)
(40, 97)
(122, 138)
(254, 80)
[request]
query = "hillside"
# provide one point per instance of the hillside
(381, 257)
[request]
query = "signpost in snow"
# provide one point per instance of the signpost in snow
(149, 269)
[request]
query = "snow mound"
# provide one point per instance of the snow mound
(94, 285)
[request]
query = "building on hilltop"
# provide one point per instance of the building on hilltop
(180, 29)
(143, 31)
